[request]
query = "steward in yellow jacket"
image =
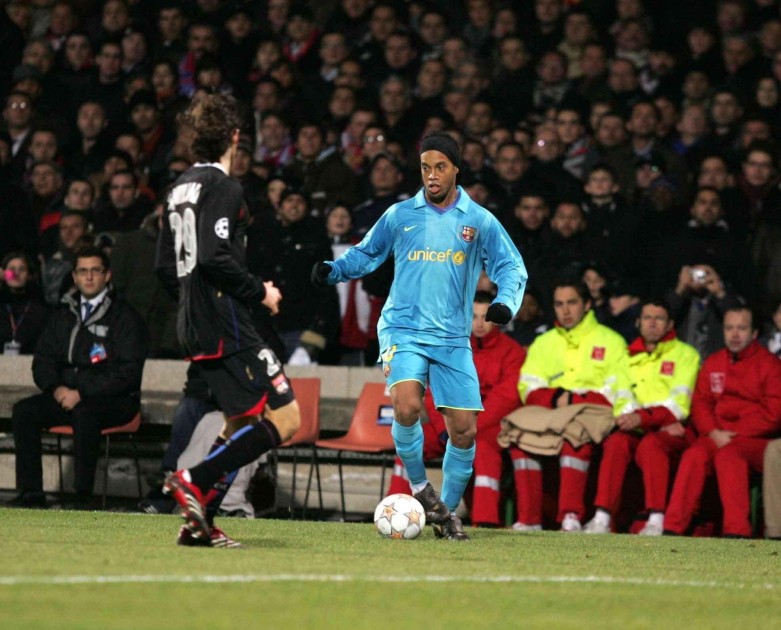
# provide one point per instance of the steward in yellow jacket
(663, 370)
(578, 361)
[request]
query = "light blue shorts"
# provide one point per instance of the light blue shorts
(450, 372)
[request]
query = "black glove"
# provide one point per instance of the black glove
(498, 313)
(320, 273)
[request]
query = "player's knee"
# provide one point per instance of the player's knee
(463, 437)
(407, 411)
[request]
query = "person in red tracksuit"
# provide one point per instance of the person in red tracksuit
(498, 359)
(736, 409)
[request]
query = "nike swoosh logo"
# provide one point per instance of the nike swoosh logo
(407, 228)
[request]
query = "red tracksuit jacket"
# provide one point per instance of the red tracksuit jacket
(740, 393)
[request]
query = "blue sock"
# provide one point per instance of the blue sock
(456, 471)
(409, 447)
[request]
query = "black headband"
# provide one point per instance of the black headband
(444, 144)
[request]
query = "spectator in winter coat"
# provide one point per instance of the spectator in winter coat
(88, 366)
(25, 313)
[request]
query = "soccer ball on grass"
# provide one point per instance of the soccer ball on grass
(400, 516)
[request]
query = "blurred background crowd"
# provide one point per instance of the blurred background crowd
(631, 144)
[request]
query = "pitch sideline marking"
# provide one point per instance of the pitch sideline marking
(71, 580)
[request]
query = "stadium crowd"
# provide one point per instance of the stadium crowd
(629, 145)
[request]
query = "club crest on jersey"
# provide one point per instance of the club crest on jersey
(221, 228)
(281, 384)
(468, 233)
(668, 368)
(717, 382)
(598, 353)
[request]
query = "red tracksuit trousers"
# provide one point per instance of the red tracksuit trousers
(653, 453)
(733, 464)
(487, 473)
(573, 465)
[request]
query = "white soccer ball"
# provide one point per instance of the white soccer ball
(400, 516)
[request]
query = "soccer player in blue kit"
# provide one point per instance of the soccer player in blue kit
(440, 240)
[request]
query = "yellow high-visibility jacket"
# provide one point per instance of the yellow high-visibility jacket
(590, 360)
(663, 380)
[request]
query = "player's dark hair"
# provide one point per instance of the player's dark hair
(212, 119)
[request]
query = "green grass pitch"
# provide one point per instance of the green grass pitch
(82, 570)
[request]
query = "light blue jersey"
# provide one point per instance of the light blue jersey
(438, 259)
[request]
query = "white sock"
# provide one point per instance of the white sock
(418, 486)
(602, 517)
(656, 518)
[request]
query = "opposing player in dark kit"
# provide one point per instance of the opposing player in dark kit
(201, 258)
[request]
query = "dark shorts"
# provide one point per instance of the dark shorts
(243, 383)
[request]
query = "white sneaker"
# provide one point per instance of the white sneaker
(651, 529)
(571, 523)
(523, 527)
(595, 526)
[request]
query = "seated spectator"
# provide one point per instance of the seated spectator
(625, 304)
(530, 322)
(125, 208)
(157, 140)
(283, 251)
(498, 359)
(578, 361)
(698, 304)
(274, 149)
(18, 116)
(19, 297)
(597, 279)
(320, 171)
(46, 192)
(662, 369)
(736, 410)
(771, 338)
(88, 367)
(254, 186)
(643, 143)
(79, 195)
(375, 141)
(90, 148)
(135, 281)
(570, 246)
(547, 164)
(573, 136)
(707, 238)
(116, 160)
(354, 304)
(529, 227)
(610, 218)
(385, 179)
(757, 211)
(73, 234)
